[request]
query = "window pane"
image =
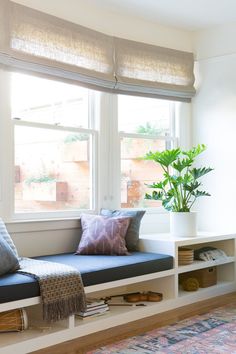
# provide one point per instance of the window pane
(144, 115)
(52, 170)
(136, 172)
(47, 101)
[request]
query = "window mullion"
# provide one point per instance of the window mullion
(109, 154)
(114, 155)
(103, 153)
(183, 128)
(93, 119)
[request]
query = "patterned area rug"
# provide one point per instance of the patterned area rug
(213, 332)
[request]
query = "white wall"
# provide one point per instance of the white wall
(45, 237)
(214, 123)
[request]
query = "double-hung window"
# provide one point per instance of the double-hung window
(54, 146)
(145, 124)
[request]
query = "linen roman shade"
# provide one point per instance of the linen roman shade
(152, 70)
(58, 47)
(31, 40)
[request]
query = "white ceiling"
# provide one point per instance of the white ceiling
(185, 14)
(188, 15)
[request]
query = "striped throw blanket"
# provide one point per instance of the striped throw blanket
(61, 287)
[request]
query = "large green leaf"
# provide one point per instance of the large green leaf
(176, 180)
(201, 194)
(158, 185)
(187, 178)
(165, 158)
(195, 151)
(181, 164)
(192, 186)
(154, 196)
(170, 193)
(199, 172)
(167, 204)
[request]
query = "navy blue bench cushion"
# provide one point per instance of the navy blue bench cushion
(94, 269)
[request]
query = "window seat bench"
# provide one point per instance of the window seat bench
(94, 269)
(103, 276)
(155, 268)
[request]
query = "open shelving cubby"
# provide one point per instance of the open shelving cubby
(225, 267)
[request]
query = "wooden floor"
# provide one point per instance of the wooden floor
(93, 341)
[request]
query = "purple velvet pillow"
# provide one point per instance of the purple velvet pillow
(103, 235)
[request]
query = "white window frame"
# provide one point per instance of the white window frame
(59, 214)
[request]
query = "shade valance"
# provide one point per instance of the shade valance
(35, 41)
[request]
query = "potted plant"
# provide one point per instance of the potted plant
(179, 188)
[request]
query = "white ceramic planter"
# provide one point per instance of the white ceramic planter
(183, 224)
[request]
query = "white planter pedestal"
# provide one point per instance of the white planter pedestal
(183, 224)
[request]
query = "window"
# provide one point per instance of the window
(145, 124)
(54, 139)
(76, 149)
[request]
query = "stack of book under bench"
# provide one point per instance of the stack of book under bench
(94, 307)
